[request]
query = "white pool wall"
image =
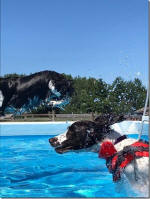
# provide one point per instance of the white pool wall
(129, 127)
(49, 128)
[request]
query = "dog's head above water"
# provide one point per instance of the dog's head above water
(82, 135)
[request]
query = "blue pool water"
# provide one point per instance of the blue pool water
(29, 167)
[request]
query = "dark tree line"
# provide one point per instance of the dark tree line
(95, 95)
(13, 75)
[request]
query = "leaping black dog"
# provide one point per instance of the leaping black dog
(23, 94)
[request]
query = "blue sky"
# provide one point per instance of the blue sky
(97, 38)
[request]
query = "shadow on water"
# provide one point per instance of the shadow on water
(36, 176)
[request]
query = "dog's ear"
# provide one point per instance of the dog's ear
(109, 119)
(117, 119)
(101, 119)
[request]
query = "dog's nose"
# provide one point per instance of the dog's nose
(53, 141)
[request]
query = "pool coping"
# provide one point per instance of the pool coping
(59, 122)
(22, 123)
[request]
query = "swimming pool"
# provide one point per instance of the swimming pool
(29, 166)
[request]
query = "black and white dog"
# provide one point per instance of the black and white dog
(22, 94)
(90, 135)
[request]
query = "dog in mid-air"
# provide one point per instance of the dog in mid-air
(124, 156)
(23, 94)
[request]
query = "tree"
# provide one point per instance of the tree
(88, 95)
(126, 96)
(13, 75)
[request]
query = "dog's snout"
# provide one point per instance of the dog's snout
(53, 141)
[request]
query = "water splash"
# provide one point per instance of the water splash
(34, 103)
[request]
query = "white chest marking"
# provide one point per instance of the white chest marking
(51, 85)
(53, 89)
(1, 98)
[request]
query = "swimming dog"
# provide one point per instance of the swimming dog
(90, 136)
(22, 94)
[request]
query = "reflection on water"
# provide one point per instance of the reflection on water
(31, 168)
